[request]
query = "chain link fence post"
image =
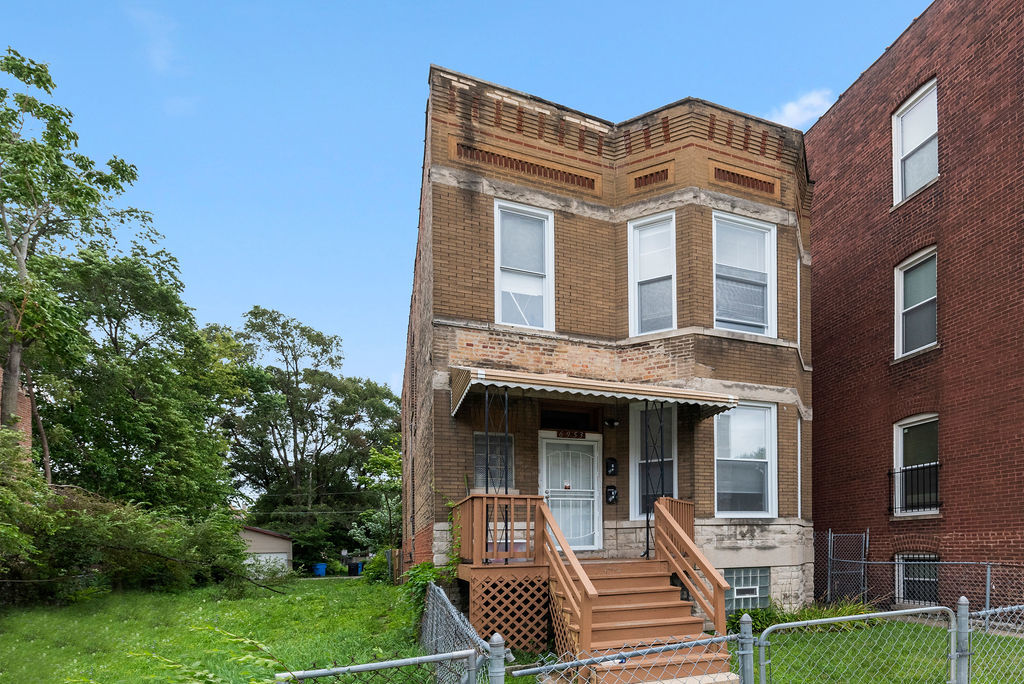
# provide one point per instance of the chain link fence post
(963, 641)
(496, 661)
(746, 650)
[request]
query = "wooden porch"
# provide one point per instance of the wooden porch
(522, 573)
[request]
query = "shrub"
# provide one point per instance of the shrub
(417, 578)
(376, 569)
(334, 567)
(763, 618)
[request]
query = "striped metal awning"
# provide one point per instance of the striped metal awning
(465, 379)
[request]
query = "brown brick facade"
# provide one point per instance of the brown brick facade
(689, 159)
(972, 214)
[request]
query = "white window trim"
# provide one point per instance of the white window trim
(636, 451)
(897, 141)
(549, 260)
(773, 466)
(911, 557)
(903, 267)
(897, 461)
(634, 305)
(770, 263)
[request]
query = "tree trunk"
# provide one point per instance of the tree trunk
(43, 442)
(9, 393)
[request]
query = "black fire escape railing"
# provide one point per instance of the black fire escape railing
(914, 489)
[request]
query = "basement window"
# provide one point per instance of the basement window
(749, 588)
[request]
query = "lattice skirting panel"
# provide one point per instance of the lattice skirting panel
(566, 641)
(514, 605)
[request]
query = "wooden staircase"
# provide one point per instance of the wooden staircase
(637, 606)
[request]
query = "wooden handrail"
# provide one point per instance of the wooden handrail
(580, 598)
(675, 546)
(496, 527)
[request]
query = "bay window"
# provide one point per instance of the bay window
(745, 461)
(745, 284)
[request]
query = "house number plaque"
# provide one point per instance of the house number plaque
(571, 434)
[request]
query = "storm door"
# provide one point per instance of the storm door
(570, 481)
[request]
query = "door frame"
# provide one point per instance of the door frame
(595, 438)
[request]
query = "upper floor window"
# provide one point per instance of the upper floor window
(744, 274)
(652, 274)
(915, 143)
(524, 266)
(745, 461)
(915, 486)
(916, 303)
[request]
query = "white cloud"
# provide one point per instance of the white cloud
(158, 30)
(804, 110)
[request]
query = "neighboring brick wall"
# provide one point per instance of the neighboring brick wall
(972, 212)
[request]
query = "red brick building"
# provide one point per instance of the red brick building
(919, 292)
(604, 314)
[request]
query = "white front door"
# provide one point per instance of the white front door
(570, 480)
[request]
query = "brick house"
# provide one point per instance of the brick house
(917, 295)
(604, 316)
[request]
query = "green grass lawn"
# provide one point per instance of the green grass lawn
(887, 651)
(312, 624)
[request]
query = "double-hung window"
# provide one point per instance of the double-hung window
(915, 484)
(916, 303)
(652, 274)
(915, 143)
(652, 456)
(745, 461)
(744, 274)
(524, 266)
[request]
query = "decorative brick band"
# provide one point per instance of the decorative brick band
(745, 181)
(653, 178)
(472, 153)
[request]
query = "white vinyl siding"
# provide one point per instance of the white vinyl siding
(745, 462)
(916, 303)
(915, 143)
(745, 274)
(652, 274)
(524, 266)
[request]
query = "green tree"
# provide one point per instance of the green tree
(380, 527)
(138, 413)
(302, 441)
(52, 198)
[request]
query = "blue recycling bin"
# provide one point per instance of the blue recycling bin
(319, 569)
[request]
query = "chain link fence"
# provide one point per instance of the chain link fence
(843, 571)
(997, 645)
(913, 645)
(455, 654)
(665, 660)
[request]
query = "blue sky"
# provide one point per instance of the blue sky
(279, 144)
